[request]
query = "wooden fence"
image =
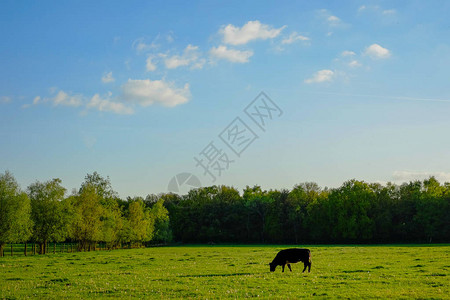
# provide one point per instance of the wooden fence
(52, 248)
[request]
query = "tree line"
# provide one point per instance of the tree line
(93, 214)
(356, 212)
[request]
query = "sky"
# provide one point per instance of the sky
(269, 93)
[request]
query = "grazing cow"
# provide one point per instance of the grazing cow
(291, 256)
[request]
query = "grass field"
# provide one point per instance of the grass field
(231, 272)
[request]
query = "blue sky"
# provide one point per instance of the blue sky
(135, 90)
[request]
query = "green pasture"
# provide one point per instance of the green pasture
(230, 272)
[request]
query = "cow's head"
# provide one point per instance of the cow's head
(272, 267)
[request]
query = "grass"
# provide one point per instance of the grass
(230, 272)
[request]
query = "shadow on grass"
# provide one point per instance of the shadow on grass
(354, 271)
(217, 275)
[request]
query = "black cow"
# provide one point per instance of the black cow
(291, 256)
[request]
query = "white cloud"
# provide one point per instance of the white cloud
(294, 36)
(176, 61)
(108, 77)
(321, 76)
(348, 53)
(253, 30)
(97, 102)
(330, 19)
(105, 104)
(354, 64)
(36, 101)
(143, 92)
(375, 51)
(5, 99)
(191, 56)
(142, 46)
(147, 92)
(169, 37)
(406, 176)
(65, 99)
(150, 66)
(333, 19)
(198, 64)
(61, 98)
(369, 8)
(376, 9)
(389, 12)
(237, 56)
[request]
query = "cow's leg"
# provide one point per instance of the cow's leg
(283, 267)
(305, 264)
(309, 266)
(289, 265)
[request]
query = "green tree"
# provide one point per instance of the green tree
(405, 208)
(86, 222)
(198, 216)
(381, 211)
(113, 224)
(102, 186)
(258, 203)
(347, 212)
(140, 222)
(15, 209)
(276, 230)
(162, 232)
(432, 210)
(299, 200)
(48, 213)
(172, 202)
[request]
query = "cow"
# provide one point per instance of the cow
(291, 256)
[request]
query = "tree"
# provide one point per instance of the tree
(432, 210)
(87, 224)
(48, 213)
(141, 224)
(172, 202)
(277, 230)
(112, 221)
(381, 211)
(347, 212)
(112, 224)
(299, 200)
(102, 186)
(162, 232)
(258, 203)
(15, 209)
(405, 208)
(150, 200)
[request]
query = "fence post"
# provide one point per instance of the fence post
(25, 252)
(11, 249)
(54, 247)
